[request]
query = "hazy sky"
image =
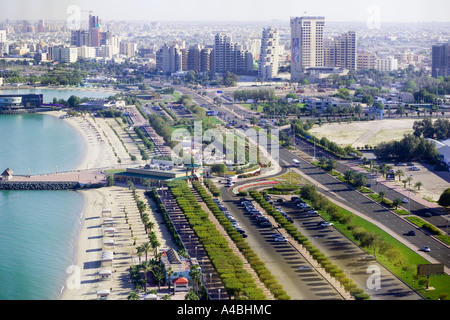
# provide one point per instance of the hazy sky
(241, 10)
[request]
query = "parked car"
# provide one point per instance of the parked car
(405, 200)
(305, 268)
(280, 200)
(280, 239)
(368, 258)
(427, 214)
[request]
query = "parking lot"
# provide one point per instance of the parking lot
(345, 254)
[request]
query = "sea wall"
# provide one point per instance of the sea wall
(38, 185)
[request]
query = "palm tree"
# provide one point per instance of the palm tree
(146, 183)
(169, 273)
(133, 296)
(158, 276)
(130, 184)
(382, 194)
(397, 202)
(139, 254)
(384, 170)
(147, 267)
(418, 185)
(145, 248)
(404, 183)
(155, 244)
(399, 173)
(150, 225)
(195, 275)
(191, 295)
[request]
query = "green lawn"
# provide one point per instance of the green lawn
(407, 270)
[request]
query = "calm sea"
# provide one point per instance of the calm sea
(38, 229)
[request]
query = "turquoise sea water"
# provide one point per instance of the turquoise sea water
(38, 229)
(49, 94)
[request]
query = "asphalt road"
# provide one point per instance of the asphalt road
(345, 194)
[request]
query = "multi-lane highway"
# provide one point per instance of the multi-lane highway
(342, 193)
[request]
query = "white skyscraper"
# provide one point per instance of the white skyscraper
(307, 44)
(2, 36)
(268, 58)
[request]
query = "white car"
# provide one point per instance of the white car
(426, 249)
(404, 200)
(280, 239)
(368, 258)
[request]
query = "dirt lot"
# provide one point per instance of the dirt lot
(358, 134)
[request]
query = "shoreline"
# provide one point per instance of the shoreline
(82, 277)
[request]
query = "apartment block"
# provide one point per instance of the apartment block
(269, 53)
(169, 59)
(386, 64)
(366, 60)
(63, 54)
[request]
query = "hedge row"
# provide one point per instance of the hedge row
(212, 188)
(329, 267)
(237, 281)
(263, 273)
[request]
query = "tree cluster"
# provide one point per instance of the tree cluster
(255, 95)
(439, 130)
(410, 148)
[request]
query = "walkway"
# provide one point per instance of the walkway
(211, 280)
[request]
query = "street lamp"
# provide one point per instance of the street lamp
(409, 194)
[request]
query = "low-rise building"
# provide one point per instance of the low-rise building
(158, 175)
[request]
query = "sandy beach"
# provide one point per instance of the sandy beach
(83, 278)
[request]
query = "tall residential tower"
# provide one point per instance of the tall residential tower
(268, 58)
(307, 44)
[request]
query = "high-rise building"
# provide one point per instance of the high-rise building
(194, 58)
(223, 53)
(206, 59)
(229, 56)
(2, 36)
(340, 52)
(41, 26)
(268, 57)
(306, 44)
(440, 65)
(128, 48)
(169, 59)
(80, 38)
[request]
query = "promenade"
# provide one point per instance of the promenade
(82, 176)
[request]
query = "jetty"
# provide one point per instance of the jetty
(69, 180)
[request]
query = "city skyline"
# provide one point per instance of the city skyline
(179, 10)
